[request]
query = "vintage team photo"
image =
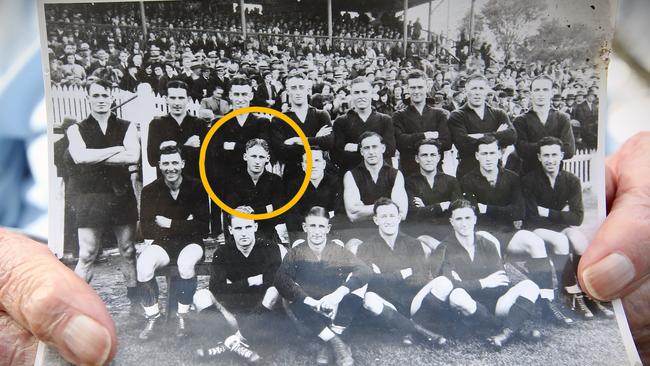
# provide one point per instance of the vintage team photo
(456, 177)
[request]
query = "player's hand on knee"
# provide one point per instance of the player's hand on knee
(42, 299)
(617, 264)
(496, 279)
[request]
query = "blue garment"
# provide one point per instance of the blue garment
(21, 93)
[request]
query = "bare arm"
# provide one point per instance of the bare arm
(354, 207)
(131, 155)
(83, 155)
(399, 196)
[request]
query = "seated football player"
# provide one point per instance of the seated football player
(241, 284)
(324, 190)
(554, 210)
(501, 207)
(483, 293)
(400, 270)
(430, 192)
(369, 181)
(257, 188)
(324, 284)
(175, 216)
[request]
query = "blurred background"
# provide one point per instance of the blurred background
(23, 140)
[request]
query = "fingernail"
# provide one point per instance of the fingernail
(608, 277)
(88, 340)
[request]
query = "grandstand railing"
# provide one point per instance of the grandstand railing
(437, 43)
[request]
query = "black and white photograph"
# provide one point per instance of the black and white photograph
(455, 178)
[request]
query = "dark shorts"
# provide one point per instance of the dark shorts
(400, 296)
(98, 210)
(173, 250)
(489, 296)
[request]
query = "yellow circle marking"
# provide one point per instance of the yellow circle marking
(215, 198)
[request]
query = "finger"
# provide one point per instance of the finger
(17, 345)
(616, 262)
(53, 303)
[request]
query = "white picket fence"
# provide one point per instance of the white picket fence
(71, 102)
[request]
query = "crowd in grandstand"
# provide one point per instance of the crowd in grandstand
(206, 60)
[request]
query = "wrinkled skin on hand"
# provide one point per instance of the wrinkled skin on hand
(42, 299)
(626, 232)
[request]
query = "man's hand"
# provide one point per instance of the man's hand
(163, 222)
(616, 263)
(476, 136)
(329, 303)
(445, 205)
(482, 208)
(312, 303)
(228, 145)
(256, 280)
(293, 141)
(496, 279)
(40, 298)
(193, 141)
(417, 201)
(431, 134)
(350, 147)
(164, 144)
(324, 131)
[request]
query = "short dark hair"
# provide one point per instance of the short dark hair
(383, 201)
(433, 142)
(367, 134)
(258, 142)
(294, 75)
(240, 81)
(549, 141)
(243, 209)
(416, 74)
(177, 84)
(475, 77)
(170, 150)
(101, 82)
(318, 211)
(542, 77)
(359, 80)
(461, 203)
(486, 140)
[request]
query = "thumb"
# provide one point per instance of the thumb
(617, 262)
(51, 302)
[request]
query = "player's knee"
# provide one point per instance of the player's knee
(528, 289)
(145, 268)
(372, 302)
(186, 271)
(441, 287)
(561, 244)
(88, 255)
(271, 297)
(459, 299)
(202, 299)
